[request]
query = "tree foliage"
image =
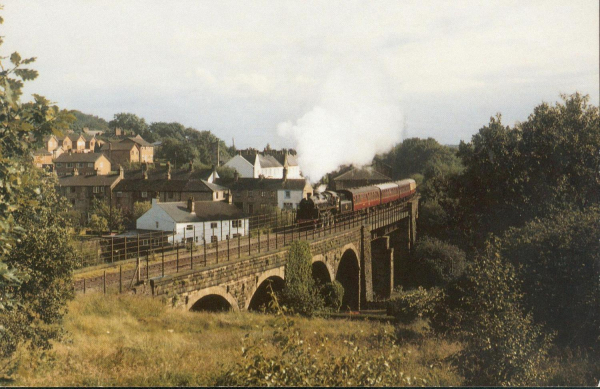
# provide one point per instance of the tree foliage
(558, 259)
(300, 293)
(483, 308)
(130, 122)
(102, 214)
(436, 263)
(35, 261)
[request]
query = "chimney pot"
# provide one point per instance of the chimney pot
(236, 176)
(191, 205)
(285, 173)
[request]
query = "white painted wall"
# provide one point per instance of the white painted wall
(295, 197)
(203, 230)
(155, 214)
(243, 167)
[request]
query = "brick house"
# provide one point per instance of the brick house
(121, 153)
(80, 190)
(78, 143)
(145, 149)
(87, 164)
(258, 195)
(43, 158)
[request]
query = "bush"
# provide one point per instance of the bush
(414, 304)
(333, 293)
(437, 263)
(300, 293)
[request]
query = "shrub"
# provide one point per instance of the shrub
(333, 293)
(414, 304)
(300, 293)
(437, 262)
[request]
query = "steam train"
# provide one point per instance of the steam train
(322, 208)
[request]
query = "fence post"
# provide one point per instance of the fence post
(112, 249)
(249, 243)
(120, 279)
(259, 241)
(269, 240)
(84, 286)
(228, 239)
(177, 260)
(104, 281)
(239, 246)
(284, 228)
(217, 251)
(147, 265)
(163, 252)
(204, 247)
(192, 250)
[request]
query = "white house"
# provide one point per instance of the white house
(195, 221)
(269, 164)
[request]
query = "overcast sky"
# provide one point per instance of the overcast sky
(243, 69)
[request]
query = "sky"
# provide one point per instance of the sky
(358, 75)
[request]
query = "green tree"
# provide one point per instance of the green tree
(178, 152)
(44, 253)
(300, 292)
(558, 259)
(435, 263)
(483, 309)
(92, 122)
(131, 122)
(29, 240)
(113, 216)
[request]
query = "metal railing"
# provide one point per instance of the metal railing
(134, 260)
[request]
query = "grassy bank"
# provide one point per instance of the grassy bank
(133, 341)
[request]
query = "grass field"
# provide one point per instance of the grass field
(133, 341)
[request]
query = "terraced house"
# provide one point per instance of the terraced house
(87, 164)
(168, 185)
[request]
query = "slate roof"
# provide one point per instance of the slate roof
(164, 185)
(247, 183)
(95, 180)
(268, 161)
(115, 146)
(42, 152)
(362, 174)
(139, 140)
(180, 174)
(79, 157)
(204, 211)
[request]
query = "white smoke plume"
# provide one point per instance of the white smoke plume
(356, 117)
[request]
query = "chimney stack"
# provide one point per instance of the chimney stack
(236, 176)
(121, 172)
(144, 171)
(285, 172)
(191, 205)
(75, 171)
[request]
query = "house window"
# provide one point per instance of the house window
(119, 194)
(156, 224)
(145, 242)
(90, 164)
(189, 227)
(236, 223)
(144, 194)
(250, 194)
(80, 164)
(213, 239)
(59, 164)
(69, 164)
(170, 195)
(263, 193)
(288, 194)
(96, 189)
(263, 207)
(288, 206)
(213, 225)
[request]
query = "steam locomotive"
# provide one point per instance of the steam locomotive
(322, 208)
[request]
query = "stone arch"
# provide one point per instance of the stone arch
(321, 269)
(275, 275)
(215, 295)
(348, 274)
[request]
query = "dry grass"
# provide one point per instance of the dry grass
(133, 341)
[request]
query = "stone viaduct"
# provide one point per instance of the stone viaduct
(358, 255)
